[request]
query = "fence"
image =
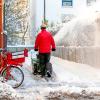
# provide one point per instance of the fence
(85, 55)
(19, 48)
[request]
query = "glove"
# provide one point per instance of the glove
(53, 49)
(35, 49)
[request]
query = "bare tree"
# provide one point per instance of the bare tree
(16, 20)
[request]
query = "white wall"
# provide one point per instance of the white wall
(77, 6)
(39, 12)
(53, 11)
(32, 16)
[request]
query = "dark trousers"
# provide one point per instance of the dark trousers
(44, 58)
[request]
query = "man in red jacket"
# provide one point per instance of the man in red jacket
(44, 44)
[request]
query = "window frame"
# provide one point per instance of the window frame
(67, 1)
(89, 2)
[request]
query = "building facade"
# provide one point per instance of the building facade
(74, 7)
(55, 10)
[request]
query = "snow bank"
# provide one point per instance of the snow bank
(8, 93)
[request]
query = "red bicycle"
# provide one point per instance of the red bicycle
(10, 67)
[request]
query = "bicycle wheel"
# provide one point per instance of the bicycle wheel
(14, 76)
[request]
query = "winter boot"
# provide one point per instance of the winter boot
(48, 74)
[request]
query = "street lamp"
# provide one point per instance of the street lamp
(44, 10)
(44, 19)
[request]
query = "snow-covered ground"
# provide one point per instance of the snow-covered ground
(70, 77)
(72, 81)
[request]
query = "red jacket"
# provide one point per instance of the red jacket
(44, 42)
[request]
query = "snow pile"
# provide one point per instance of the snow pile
(8, 93)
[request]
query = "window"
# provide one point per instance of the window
(90, 2)
(66, 2)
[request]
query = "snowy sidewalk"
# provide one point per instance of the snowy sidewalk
(70, 78)
(71, 71)
(68, 72)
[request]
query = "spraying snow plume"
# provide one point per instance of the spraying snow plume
(83, 30)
